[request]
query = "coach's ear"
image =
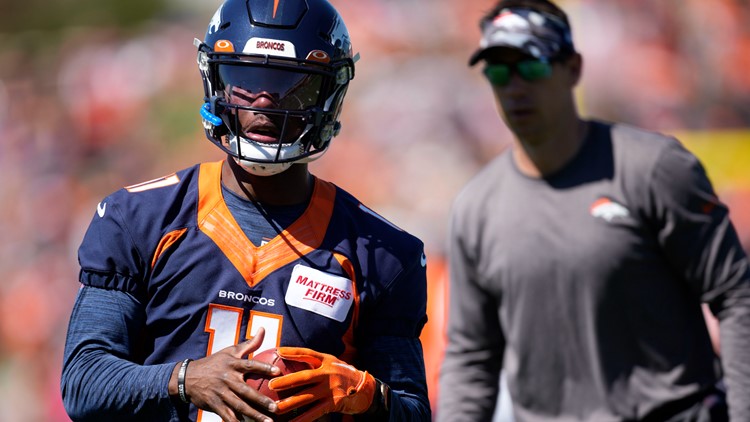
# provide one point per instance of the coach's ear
(574, 64)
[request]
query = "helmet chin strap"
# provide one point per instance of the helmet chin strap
(265, 169)
(247, 152)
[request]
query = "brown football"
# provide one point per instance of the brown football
(261, 384)
(287, 367)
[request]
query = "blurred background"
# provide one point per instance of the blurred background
(99, 94)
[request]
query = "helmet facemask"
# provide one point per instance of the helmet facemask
(271, 112)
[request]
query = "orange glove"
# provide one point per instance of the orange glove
(331, 386)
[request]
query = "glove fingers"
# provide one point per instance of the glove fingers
(313, 413)
(293, 402)
(289, 350)
(292, 352)
(301, 354)
(296, 379)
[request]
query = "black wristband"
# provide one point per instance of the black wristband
(385, 397)
(181, 380)
(381, 402)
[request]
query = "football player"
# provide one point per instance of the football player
(185, 277)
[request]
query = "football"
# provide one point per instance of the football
(271, 356)
(260, 383)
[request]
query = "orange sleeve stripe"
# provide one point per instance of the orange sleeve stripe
(168, 240)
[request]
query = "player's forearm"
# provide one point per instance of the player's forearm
(399, 363)
(98, 382)
(97, 386)
(408, 407)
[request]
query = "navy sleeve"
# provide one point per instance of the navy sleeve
(99, 379)
(109, 256)
(395, 293)
(399, 362)
(389, 347)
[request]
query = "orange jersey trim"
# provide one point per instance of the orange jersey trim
(168, 240)
(350, 352)
(255, 263)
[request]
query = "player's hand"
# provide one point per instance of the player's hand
(331, 386)
(216, 383)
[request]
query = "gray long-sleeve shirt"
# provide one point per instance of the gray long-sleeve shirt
(585, 287)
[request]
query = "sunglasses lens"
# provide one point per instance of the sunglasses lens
(533, 70)
(530, 70)
(497, 74)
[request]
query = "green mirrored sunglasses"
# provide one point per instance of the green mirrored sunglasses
(530, 70)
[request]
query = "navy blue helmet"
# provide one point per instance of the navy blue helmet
(275, 74)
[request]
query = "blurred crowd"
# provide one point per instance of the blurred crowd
(88, 109)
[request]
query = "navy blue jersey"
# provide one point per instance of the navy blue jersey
(336, 278)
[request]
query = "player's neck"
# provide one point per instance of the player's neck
(543, 157)
(289, 187)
